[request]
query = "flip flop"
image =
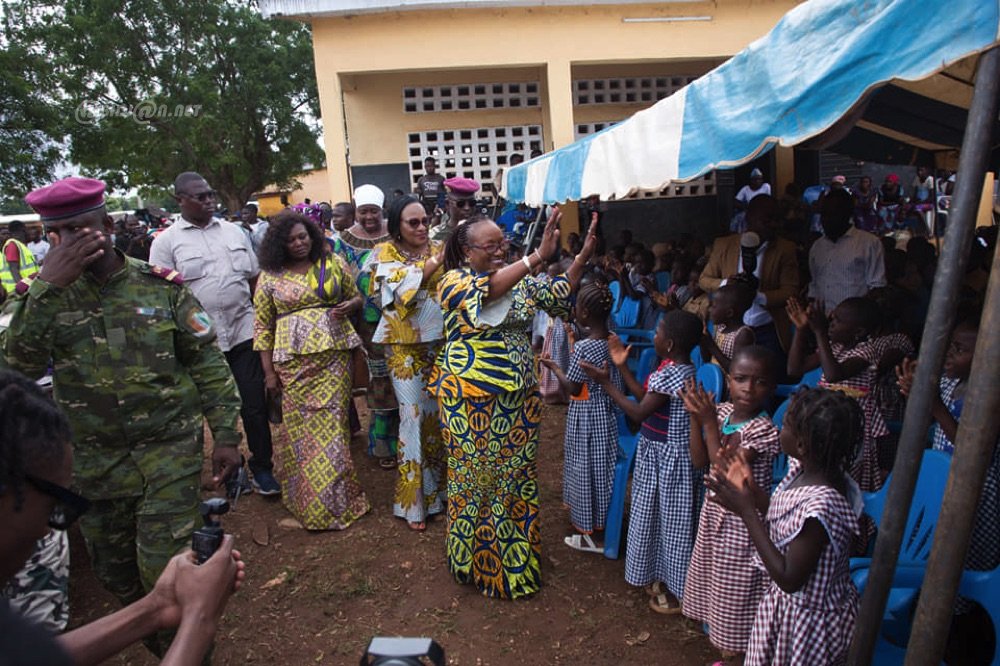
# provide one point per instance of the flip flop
(661, 604)
(583, 543)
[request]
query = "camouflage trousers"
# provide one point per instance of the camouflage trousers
(40, 591)
(131, 539)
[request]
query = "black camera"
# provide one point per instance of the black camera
(207, 538)
(384, 651)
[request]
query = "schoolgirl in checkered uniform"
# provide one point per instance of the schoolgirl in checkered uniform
(666, 487)
(984, 547)
(850, 365)
(723, 586)
(729, 303)
(591, 444)
(808, 612)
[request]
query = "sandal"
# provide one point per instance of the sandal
(387, 463)
(583, 543)
(654, 588)
(661, 604)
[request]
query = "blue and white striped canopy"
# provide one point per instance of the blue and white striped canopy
(849, 71)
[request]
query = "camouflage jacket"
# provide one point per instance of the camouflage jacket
(135, 366)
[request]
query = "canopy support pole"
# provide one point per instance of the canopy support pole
(937, 329)
(977, 437)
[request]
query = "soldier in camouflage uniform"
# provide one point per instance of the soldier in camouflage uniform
(136, 369)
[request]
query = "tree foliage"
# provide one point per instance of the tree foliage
(28, 155)
(150, 88)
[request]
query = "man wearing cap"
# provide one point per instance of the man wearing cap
(460, 204)
(217, 262)
(137, 370)
(17, 261)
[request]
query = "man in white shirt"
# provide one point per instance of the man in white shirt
(747, 193)
(845, 262)
(218, 263)
(38, 245)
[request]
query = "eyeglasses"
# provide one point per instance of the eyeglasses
(492, 247)
(463, 203)
(418, 222)
(202, 196)
(69, 506)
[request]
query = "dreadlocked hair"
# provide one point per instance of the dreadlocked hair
(831, 426)
(454, 249)
(596, 299)
(34, 433)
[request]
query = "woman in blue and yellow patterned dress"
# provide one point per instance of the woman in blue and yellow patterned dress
(485, 382)
(404, 278)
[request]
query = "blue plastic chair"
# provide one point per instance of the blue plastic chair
(983, 587)
(662, 280)
(646, 364)
(810, 379)
(626, 315)
(780, 466)
(623, 468)
(917, 536)
(615, 287)
(711, 378)
(696, 359)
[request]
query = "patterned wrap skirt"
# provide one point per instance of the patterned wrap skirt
(319, 485)
(494, 541)
(420, 487)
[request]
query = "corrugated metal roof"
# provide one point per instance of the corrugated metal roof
(310, 8)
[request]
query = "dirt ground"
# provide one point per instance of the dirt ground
(319, 598)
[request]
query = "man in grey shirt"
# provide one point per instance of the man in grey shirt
(218, 263)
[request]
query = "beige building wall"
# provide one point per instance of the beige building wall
(363, 61)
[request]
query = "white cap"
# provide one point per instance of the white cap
(756, 172)
(368, 195)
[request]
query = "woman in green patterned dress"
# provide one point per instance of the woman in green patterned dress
(302, 304)
(485, 382)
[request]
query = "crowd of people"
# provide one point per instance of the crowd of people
(456, 338)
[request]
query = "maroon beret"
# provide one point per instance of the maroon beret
(462, 186)
(67, 197)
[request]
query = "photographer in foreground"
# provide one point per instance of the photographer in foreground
(35, 471)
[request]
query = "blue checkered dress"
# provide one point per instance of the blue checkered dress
(666, 490)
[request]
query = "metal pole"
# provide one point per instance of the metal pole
(974, 444)
(941, 314)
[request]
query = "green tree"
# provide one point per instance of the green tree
(29, 119)
(151, 88)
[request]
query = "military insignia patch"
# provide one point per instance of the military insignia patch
(167, 274)
(199, 323)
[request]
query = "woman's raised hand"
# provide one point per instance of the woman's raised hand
(550, 237)
(590, 242)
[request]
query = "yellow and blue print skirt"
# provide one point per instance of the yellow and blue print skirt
(494, 540)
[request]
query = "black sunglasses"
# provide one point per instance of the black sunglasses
(418, 222)
(201, 196)
(69, 506)
(463, 203)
